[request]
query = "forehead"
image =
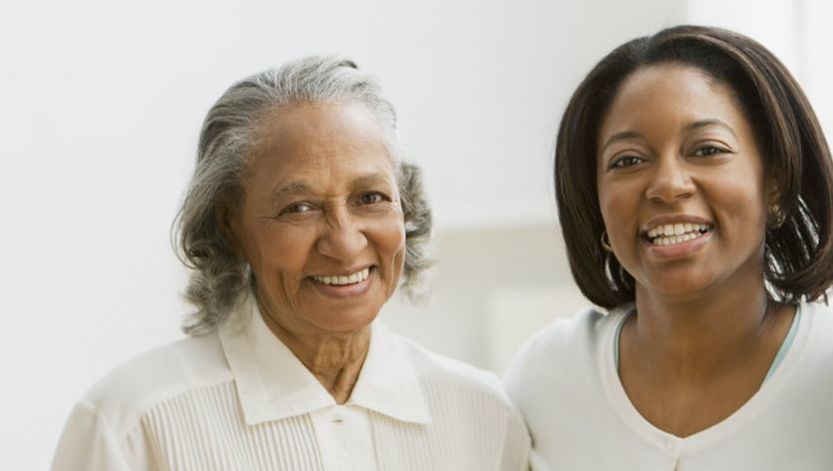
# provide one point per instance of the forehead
(309, 125)
(311, 138)
(670, 95)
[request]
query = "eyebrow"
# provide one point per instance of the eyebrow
(301, 188)
(620, 136)
(371, 179)
(703, 123)
(292, 188)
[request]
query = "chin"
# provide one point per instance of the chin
(677, 287)
(346, 321)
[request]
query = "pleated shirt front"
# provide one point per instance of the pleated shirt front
(238, 399)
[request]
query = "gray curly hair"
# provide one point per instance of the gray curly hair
(220, 278)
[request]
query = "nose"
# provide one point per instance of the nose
(670, 182)
(343, 238)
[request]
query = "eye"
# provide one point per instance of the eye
(624, 162)
(707, 150)
(297, 208)
(372, 197)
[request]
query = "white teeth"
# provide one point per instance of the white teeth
(340, 280)
(667, 234)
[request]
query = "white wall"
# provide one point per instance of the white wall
(101, 105)
(816, 73)
(773, 23)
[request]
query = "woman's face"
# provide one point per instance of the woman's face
(681, 183)
(320, 222)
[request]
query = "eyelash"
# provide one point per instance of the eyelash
(304, 207)
(378, 197)
(294, 208)
(714, 150)
(624, 162)
(631, 160)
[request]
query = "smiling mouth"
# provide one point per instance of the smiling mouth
(343, 280)
(668, 234)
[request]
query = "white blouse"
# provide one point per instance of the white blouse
(239, 399)
(565, 382)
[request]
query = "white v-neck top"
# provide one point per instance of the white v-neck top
(238, 399)
(566, 384)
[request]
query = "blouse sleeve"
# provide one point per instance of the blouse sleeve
(87, 443)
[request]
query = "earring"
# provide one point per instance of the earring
(611, 266)
(776, 216)
(606, 242)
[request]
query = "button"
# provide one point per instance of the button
(671, 445)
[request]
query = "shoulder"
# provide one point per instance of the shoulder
(122, 396)
(469, 405)
(566, 340)
(447, 376)
(563, 354)
(435, 367)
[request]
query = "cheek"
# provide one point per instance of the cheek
(608, 210)
(749, 204)
(389, 238)
(283, 252)
(618, 206)
(396, 242)
(395, 253)
(743, 201)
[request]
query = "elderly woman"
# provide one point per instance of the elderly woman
(299, 220)
(695, 194)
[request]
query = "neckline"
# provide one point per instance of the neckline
(273, 384)
(661, 439)
(779, 355)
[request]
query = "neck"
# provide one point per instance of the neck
(335, 359)
(696, 337)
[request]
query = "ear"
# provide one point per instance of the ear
(774, 191)
(225, 217)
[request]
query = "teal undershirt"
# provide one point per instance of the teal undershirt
(785, 345)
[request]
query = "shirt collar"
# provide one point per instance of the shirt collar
(388, 383)
(273, 384)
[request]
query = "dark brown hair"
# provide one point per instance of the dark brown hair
(799, 252)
